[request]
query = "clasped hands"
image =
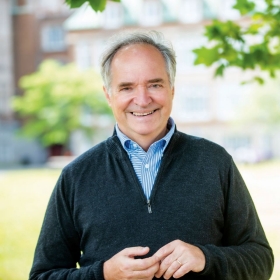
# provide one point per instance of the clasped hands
(175, 259)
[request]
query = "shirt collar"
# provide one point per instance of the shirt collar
(129, 144)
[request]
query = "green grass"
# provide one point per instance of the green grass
(24, 195)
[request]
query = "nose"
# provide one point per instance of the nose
(142, 96)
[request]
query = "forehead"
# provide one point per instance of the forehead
(138, 59)
(135, 46)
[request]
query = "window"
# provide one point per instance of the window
(52, 5)
(227, 12)
(184, 44)
(191, 103)
(53, 38)
(241, 148)
(83, 55)
(191, 11)
(151, 13)
(20, 2)
(6, 142)
(230, 96)
(113, 16)
(234, 142)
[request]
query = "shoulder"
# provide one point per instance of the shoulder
(201, 148)
(194, 142)
(94, 158)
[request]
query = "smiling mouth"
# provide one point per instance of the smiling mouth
(142, 114)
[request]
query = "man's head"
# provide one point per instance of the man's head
(121, 40)
(139, 87)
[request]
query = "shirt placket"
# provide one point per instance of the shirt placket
(147, 172)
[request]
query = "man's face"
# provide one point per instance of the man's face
(141, 96)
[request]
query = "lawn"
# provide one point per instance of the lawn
(24, 195)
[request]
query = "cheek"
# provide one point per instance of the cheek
(123, 101)
(164, 100)
(119, 104)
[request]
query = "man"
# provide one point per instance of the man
(150, 202)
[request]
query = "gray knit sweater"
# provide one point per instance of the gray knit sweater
(98, 208)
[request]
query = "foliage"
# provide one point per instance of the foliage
(97, 5)
(58, 100)
(251, 43)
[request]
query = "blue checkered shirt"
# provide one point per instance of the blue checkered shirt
(146, 164)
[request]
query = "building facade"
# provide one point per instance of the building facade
(30, 32)
(203, 106)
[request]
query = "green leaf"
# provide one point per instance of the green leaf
(244, 6)
(259, 80)
(207, 56)
(75, 3)
(98, 5)
(220, 70)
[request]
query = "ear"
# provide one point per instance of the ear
(107, 95)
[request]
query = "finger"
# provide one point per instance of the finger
(165, 264)
(141, 263)
(182, 270)
(148, 273)
(146, 263)
(172, 269)
(168, 260)
(135, 251)
(166, 250)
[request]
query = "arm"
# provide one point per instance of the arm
(245, 253)
(58, 247)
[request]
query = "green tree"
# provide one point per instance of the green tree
(97, 5)
(250, 44)
(254, 44)
(57, 100)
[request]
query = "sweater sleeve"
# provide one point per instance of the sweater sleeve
(245, 253)
(58, 248)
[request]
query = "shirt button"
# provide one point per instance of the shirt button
(147, 165)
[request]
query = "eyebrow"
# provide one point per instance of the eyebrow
(127, 84)
(157, 80)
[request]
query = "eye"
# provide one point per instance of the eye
(156, 86)
(125, 89)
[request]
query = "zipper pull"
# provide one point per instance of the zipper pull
(149, 207)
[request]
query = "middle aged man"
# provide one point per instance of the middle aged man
(150, 202)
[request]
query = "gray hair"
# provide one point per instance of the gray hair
(153, 38)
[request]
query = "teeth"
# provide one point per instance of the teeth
(142, 114)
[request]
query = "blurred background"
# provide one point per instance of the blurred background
(52, 108)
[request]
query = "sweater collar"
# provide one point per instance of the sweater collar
(127, 143)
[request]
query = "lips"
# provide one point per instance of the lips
(142, 114)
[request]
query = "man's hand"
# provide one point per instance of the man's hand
(124, 266)
(179, 258)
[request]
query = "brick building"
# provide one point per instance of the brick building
(30, 32)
